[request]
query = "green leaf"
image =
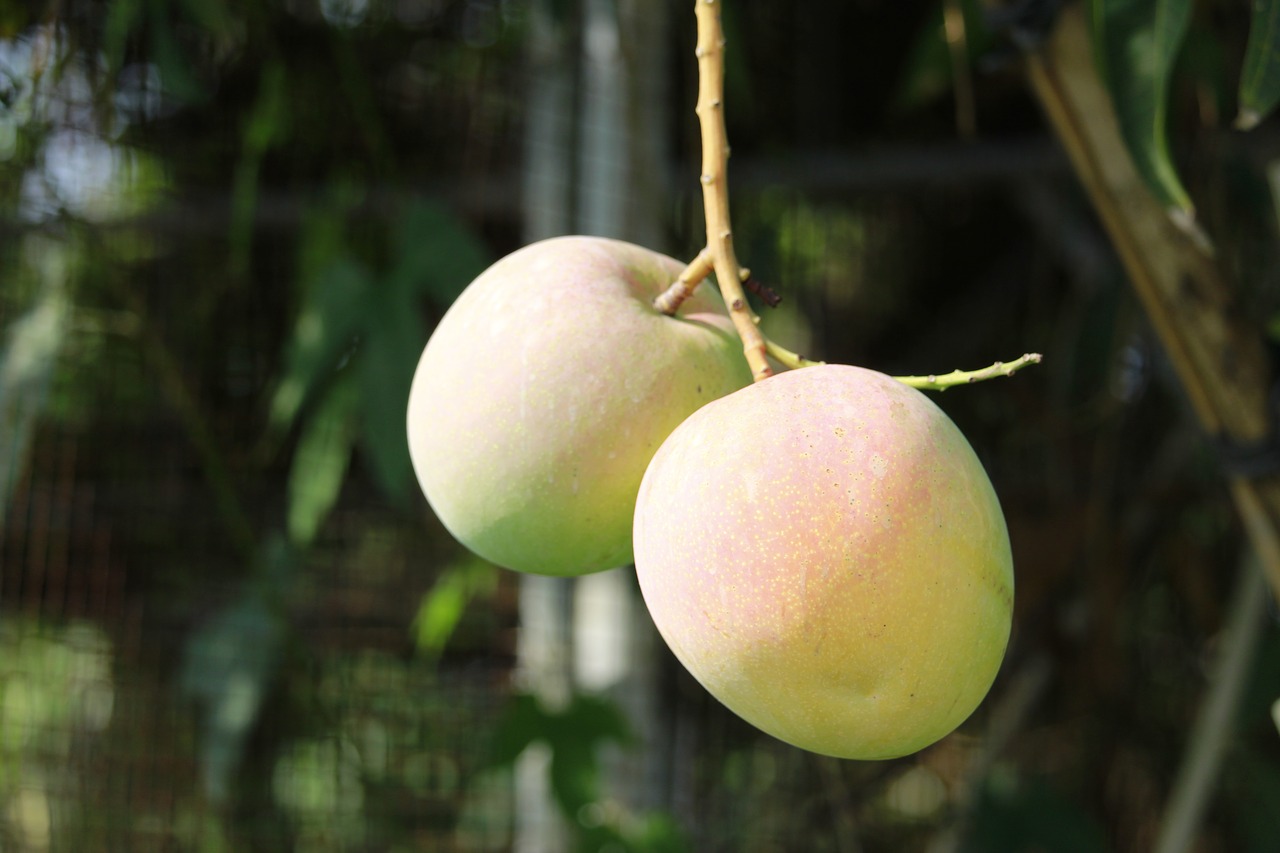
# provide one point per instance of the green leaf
(387, 358)
(320, 462)
(521, 724)
(28, 355)
(436, 254)
(228, 665)
(332, 314)
(1136, 42)
(928, 70)
(121, 19)
(1260, 78)
(442, 607)
(172, 58)
(575, 736)
(265, 127)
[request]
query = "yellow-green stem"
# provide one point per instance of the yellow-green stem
(934, 382)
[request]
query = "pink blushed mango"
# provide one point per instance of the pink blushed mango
(545, 390)
(825, 553)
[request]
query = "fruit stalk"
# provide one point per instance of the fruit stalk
(715, 187)
(943, 381)
(669, 301)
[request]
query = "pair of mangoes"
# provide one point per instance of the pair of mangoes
(822, 549)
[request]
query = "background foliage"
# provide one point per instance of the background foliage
(229, 621)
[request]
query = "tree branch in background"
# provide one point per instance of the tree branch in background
(1220, 359)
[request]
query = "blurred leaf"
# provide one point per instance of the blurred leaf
(1251, 796)
(927, 73)
(320, 462)
(1136, 42)
(13, 17)
(1260, 77)
(574, 736)
(522, 723)
(211, 16)
(171, 58)
(442, 607)
(265, 127)
(121, 19)
(658, 833)
(227, 668)
(332, 314)
(436, 254)
(387, 359)
(1015, 816)
(28, 356)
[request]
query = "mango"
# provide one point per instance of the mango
(825, 553)
(546, 388)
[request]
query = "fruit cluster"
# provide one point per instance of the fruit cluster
(821, 549)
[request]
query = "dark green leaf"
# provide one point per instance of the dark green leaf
(176, 74)
(122, 17)
(266, 126)
(1137, 42)
(320, 462)
(1260, 78)
(388, 356)
(930, 67)
(1017, 815)
(437, 255)
(575, 775)
(575, 737)
(332, 314)
(521, 724)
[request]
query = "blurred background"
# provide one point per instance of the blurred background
(228, 619)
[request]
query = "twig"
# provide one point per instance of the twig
(1219, 358)
(1197, 777)
(213, 464)
(715, 187)
(942, 382)
(669, 301)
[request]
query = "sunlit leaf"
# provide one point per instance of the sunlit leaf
(1137, 42)
(28, 353)
(1260, 77)
(658, 833)
(332, 314)
(442, 607)
(320, 462)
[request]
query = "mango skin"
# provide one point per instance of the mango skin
(824, 552)
(546, 388)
